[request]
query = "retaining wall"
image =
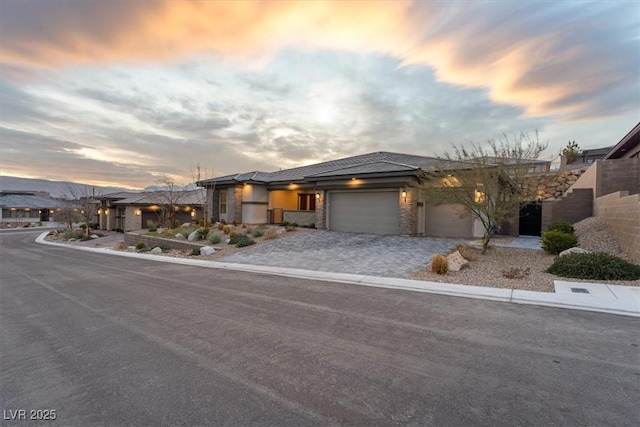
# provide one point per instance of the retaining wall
(152, 241)
(621, 212)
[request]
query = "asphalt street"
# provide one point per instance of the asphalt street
(106, 340)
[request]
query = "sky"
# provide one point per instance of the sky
(125, 93)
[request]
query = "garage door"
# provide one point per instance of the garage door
(374, 212)
(445, 221)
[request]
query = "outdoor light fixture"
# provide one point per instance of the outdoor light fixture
(318, 196)
(138, 212)
(106, 211)
(99, 211)
(353, 179)
(404, 195)
(193, 214)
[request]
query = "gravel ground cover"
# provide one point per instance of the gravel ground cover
(488, 269)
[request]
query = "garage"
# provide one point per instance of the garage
(374, 212)
(445, 221)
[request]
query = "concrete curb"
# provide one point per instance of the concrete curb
(559, 300)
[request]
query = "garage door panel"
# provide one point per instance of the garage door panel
(445, 221)
(364, 212)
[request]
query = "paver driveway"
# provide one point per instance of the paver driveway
(370, 254)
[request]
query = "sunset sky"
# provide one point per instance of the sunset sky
(124, 92)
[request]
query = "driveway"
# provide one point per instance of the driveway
(338, 252)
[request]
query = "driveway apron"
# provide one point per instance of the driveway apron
(338, 252)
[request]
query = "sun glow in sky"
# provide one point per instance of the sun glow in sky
(123, 92)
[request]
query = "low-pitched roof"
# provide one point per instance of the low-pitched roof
(191, 197)
(628, 142)
(26, 201)
(381, 162)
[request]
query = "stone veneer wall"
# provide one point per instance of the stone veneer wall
(321, 221)
(300, 217)
(215, 204)
(234, 206)
(408, 212)
(621, 212)
(130, 239)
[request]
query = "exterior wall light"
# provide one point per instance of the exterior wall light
(106, 211)
(193, 214)
(317, 196)
(138, 212)
(404, 195)
(99, 211)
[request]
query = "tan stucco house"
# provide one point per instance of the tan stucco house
(371, 193)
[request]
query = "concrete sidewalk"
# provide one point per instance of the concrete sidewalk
(622, 300)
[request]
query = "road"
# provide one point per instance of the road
(106, 340)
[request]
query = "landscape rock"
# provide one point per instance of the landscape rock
(186, 224)
(281, 231)
(160, 230)
(456, 261)
(194, 236)
(574, 251)
(207, 250)
(94, 236)
(179, 236)
(156, 251)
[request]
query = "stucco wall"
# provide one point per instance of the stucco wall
(621, 212)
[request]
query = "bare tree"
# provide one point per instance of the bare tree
(485, 182)
(198, 175)
(169, 198)
(85, 199)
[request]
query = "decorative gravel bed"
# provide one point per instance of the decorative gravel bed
(487, 269)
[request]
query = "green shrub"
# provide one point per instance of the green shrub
(152, 225)
(555, 242)
(440, 264)
(235, 238)
(71, 234)
(258, 232)
(140, 246)
(563, 226)
(195, 252)
(594, 266)
(203, 230)
(215, 238)
(245, 242)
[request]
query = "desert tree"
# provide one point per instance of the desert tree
(83, 202)
(571, 152)
(486, 181)
(169, 198)
(199, 174)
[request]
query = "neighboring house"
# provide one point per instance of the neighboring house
(532, 166)
(28, 206)
(371, 193)
(609, 189)
(131, 211)
(587, 158)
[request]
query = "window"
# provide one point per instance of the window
(306, 202)
(223, 202)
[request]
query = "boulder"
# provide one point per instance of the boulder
(281, 231)
(179, 236)
(156, 251)
(194, 236)
(207, 250)
(186, 224)
(574, 251)
(456, 261)
(160, 230)
(94, 236)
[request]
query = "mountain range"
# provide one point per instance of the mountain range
(60, 189)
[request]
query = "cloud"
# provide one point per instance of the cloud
(548, 59)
